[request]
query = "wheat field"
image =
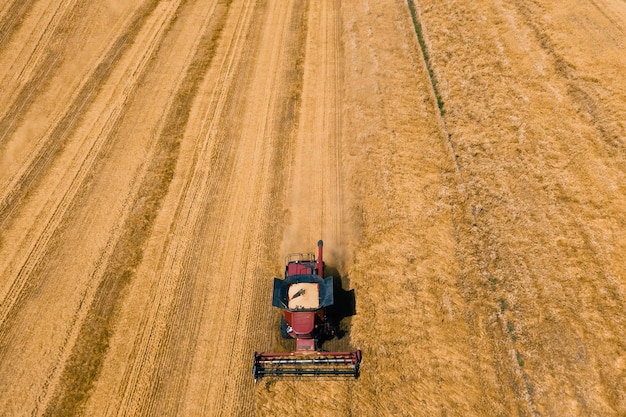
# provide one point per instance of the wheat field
(463, 161)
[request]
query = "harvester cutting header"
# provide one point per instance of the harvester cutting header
(304, 296)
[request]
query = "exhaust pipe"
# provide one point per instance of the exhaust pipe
(320, 259)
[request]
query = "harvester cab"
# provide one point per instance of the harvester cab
(304, 296)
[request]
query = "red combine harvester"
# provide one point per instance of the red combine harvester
(304, 296)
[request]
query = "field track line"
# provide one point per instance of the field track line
(333, 204)
(103, 134)
(617, 12)
(578, 90)
(160, 316)
(275, 126)
(316, 172)
(55, 139)
(106, 301)
(31, 68)
(189, 87)
(514, 374)
(193, 296)
(11, 18)
(140, 59)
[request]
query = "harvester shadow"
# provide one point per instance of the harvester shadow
(340, 313)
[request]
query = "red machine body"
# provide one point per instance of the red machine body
(304, 296)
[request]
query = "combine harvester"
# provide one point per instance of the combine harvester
(304, 296)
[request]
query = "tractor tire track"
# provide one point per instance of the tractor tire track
(24, 267)
(158, 376)
(86, 168)
(81, 364)
(320, 135)
(103, 130)
(55, 139)
(33, 248)
(137, 383)
(195, 288)
(29, 69)
(12, 19)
